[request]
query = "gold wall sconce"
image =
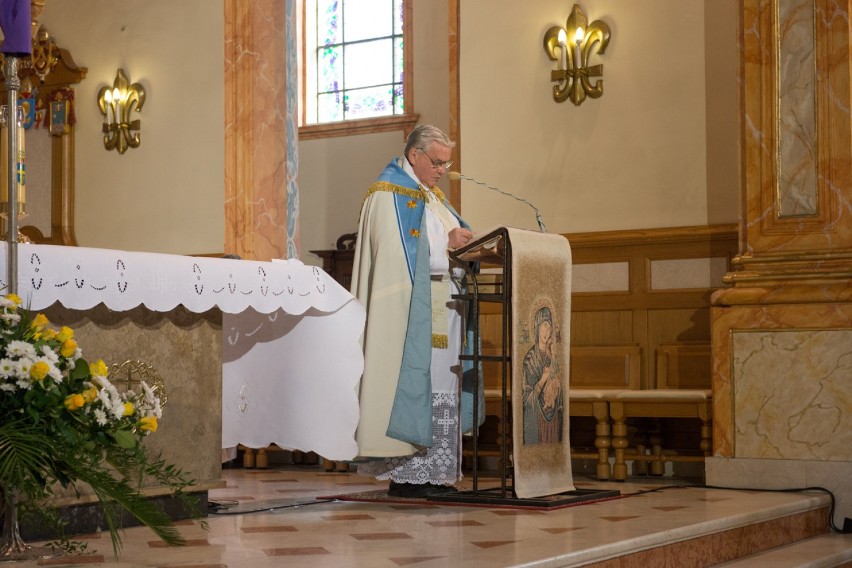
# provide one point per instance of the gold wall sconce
(573, 73)
(121, 133)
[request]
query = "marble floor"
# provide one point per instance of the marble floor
(276, 517)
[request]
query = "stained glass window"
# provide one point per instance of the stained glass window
(354, 59)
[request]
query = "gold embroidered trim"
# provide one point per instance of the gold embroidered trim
(439, 194)
(393, 188)
(440, 341)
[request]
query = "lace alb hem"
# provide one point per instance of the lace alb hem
(439, 464)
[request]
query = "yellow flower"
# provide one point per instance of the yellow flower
(39, 370)
(148, 424)
(14, 298)
(48, 333)
(90, 395)
(39, 323)
(128, 409)
(74, 401)
(415, 233)
(99, 368)
(65, 333)
(69, 347)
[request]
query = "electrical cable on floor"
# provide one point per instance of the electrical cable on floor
(220, 508)
(847, 523)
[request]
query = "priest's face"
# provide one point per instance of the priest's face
(430, 164)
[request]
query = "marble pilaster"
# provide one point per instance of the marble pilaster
(782, 333)
(261, 197)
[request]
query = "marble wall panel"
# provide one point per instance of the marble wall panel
(727, 322)
(793, 394)
(797, 192)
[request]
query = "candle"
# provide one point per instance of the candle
(108, 104)
(4, 163)
(578, 38)
(21, 162)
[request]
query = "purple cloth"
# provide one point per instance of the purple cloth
(15, 21)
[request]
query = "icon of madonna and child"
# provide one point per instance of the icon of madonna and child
(543, 398)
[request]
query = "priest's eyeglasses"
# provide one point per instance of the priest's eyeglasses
(438, 164)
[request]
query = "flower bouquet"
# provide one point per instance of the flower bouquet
(62, 423)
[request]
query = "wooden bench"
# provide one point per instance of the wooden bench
(611, 408)
(658, 403)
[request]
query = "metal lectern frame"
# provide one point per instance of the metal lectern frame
(492, 248)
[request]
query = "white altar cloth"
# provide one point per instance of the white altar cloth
(291, 355)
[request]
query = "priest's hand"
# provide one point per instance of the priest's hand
(459, 237)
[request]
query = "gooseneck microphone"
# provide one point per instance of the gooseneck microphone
(455, 176)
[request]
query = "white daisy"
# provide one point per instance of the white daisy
(10, 317)
(18, 348)
(100, 417)
(7, 368)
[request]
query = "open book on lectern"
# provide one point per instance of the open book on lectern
(485, 246)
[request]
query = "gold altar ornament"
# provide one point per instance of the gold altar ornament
(116, 105)
(573, 73)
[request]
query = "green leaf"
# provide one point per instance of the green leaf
(81, 370)
(124, 439)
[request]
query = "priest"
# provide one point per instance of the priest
(411, 411)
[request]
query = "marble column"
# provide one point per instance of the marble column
(782, 333)
(261, 194)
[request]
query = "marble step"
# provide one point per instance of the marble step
(823, 551)
(698, 542)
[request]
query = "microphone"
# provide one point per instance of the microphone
(455, 176)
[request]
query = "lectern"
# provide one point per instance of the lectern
(529, 274)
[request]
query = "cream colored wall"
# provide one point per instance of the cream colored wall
(723, 160)
(637, 157)
(334, 173)
(167, 195)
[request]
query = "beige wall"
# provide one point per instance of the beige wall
(166, 195)
(640, 156)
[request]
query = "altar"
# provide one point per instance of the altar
(249, 352)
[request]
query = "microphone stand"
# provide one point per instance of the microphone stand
(458, 176)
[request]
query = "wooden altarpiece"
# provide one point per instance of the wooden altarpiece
(50, 77)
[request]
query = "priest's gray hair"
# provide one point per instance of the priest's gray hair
(424, 135)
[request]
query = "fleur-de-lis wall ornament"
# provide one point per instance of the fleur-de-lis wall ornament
(573, 73)
(116, 104)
